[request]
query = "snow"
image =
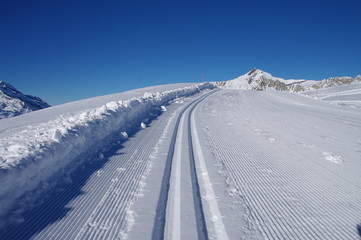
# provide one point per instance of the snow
(250, 80)
(10, 126)
(293, 162)
(332, 157)
(259, 80)
(213, 214)
(346, 95)
(36, 152)
(124, 135)
(181, 162)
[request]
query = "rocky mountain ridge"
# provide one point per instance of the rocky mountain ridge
(259, 80)
(14, 102)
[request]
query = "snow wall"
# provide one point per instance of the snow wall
(34, 155)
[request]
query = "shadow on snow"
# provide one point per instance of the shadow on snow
(52, 206)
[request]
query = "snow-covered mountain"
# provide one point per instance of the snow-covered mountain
(13, 102)
(257, 79)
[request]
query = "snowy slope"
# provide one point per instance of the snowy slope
(185, 162)
(257, 79)
(34, 153)
(20, 123)
(292, 162)
(13, 102)
(347, 95)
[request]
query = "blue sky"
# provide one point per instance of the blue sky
(66, 50)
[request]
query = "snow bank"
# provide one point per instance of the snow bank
(34, 155)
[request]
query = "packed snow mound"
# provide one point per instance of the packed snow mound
(259, 80)
(37, 153)
(13, 102)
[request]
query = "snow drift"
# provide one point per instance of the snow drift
(37, 153)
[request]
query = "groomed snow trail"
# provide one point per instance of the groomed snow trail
(96, 204)
(293, 161)
(226, 164)
(187, 206)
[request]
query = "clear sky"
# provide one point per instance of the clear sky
(67, 50)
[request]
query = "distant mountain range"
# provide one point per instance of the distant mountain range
(257, 79)
(13, 102)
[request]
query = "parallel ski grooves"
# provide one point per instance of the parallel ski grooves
(160, 218)
(201, 222)
(113, 188)
(269, 198)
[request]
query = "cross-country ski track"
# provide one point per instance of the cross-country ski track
(221, 164)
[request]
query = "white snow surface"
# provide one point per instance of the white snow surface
(269, 164)
(294, 162)
(35, 146)
(346, 95)
(19, 123)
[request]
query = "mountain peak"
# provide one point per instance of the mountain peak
(257, 72)
(13, 102)
(254, 71)
(257, 79)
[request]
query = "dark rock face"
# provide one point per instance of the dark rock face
(13, 102)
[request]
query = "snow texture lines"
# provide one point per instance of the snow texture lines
(40, 150)
(170, 208)
(100, 208)
(287, 191)
(214, 216)
(174, 206)
(160, 218)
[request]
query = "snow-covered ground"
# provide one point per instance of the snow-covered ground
(34, 148)
(13, 125)
(185, 164)
(293, 162)
(348, 95)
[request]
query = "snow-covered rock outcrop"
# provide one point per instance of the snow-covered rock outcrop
(257, 79)
(13, 102)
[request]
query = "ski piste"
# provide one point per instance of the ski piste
(186, 162)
